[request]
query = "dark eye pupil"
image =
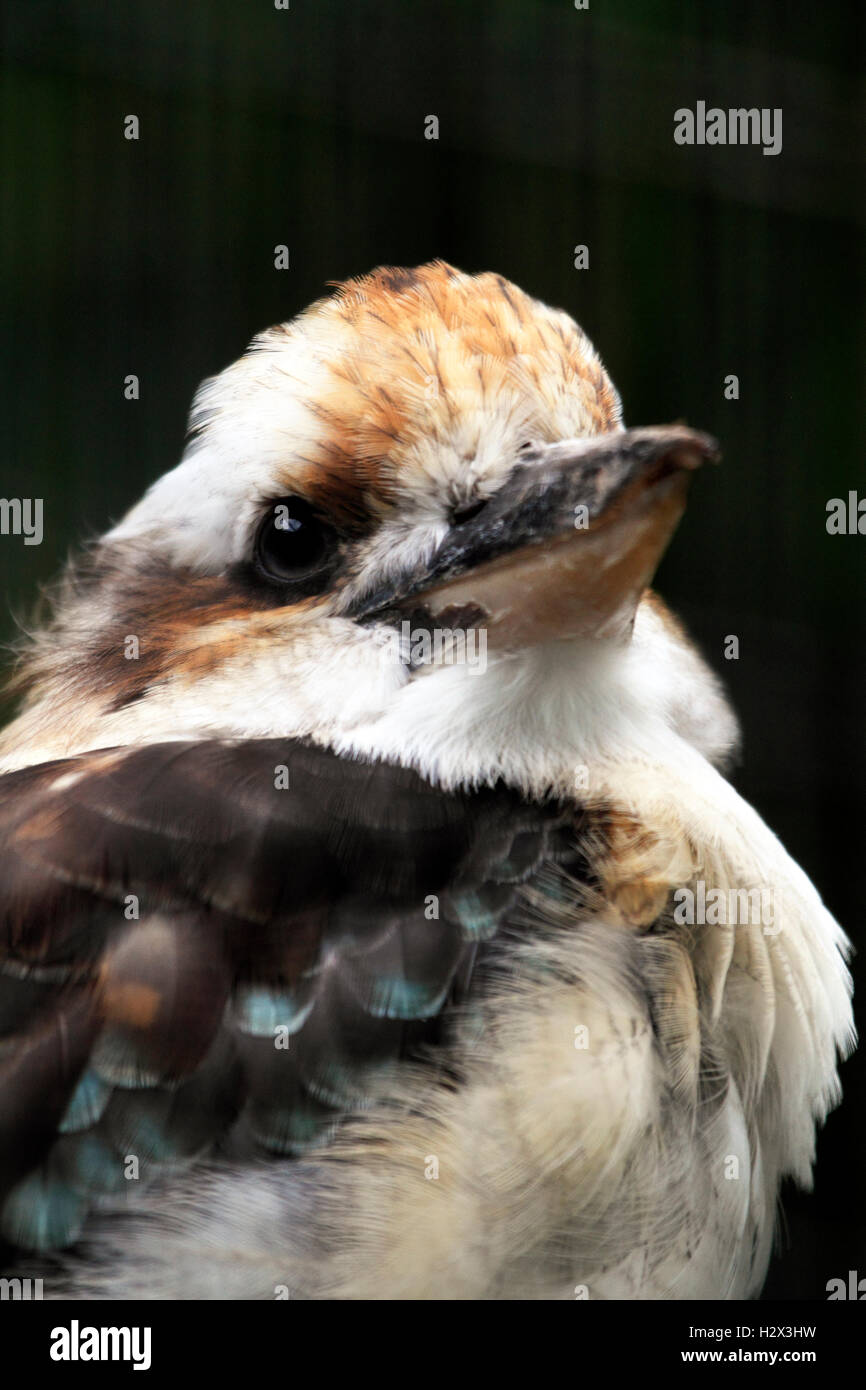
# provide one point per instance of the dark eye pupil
(293, 543)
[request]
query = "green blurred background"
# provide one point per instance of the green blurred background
(306, 127)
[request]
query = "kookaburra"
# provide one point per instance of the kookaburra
(376, 920)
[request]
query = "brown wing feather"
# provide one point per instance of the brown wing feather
(193, 952)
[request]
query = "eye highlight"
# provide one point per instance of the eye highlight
(294, 546)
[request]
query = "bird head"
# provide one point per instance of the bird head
(403, 521)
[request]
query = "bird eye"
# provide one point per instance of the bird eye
(294, 546)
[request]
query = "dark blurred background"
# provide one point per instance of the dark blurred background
(305, 127)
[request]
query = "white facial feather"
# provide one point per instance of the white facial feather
(244, 423)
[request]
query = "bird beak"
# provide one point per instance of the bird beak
(566, 547)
